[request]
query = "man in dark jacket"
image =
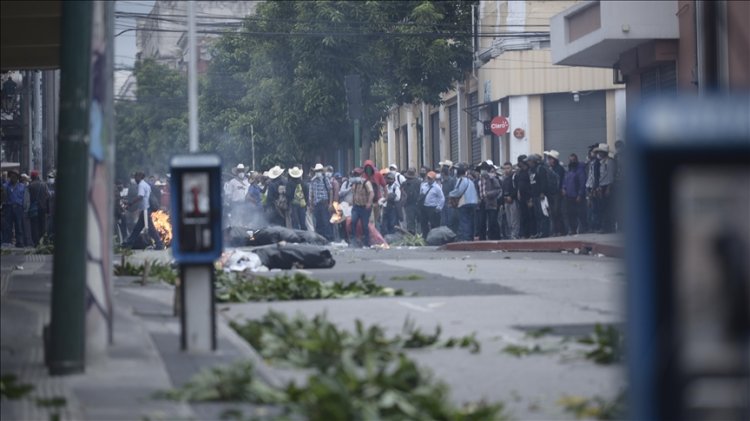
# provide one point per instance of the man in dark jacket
(574, 196)
(511, 220)
(411, 207)
(554, 197)
(539, 184)
(488, 187)
(525, 202)
(38, 201)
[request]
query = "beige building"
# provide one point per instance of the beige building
(547, 106)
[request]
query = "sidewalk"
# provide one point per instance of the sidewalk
(145, 357)
(606, 244)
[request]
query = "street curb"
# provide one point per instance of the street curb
(536, 246)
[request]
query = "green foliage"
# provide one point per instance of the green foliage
(291, 88)
(151, 269)
(538, 333)
(318, 343)
(597, 407)
(356, 376)
(522, 350)
(239, 287)
(45, 246)
(410, 240)
(412, 277)
(10, 388)
(608, 345)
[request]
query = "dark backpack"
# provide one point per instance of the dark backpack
(281, 202)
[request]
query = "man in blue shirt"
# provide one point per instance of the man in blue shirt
(13, 208)
(466, 194)
(434, 200)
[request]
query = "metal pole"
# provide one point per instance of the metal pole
(36, 150)
(357, 143)
(192, 79)
(252, 144)
(66, 347)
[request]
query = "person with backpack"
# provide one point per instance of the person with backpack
(363, 196)
(144, 214)
(539, 181)
(321, 202)
(555, 176)
(276, 205)
(296, 192)
(371, 174)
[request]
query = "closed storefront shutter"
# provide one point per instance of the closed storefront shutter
(570, 127)
(453, 116)
(476, 140)
(435, 132)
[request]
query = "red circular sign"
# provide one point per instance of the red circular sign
(499, 125)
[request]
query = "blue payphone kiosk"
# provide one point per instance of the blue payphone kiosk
(688, 255)
(197, 243)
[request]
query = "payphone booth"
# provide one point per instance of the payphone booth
(197, 243)
(688, 254)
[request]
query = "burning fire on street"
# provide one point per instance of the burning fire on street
(163, 226)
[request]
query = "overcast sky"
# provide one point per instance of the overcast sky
(125, 44)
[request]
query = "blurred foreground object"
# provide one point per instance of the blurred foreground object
(688, 245)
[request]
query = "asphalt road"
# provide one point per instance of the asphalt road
(498, 296)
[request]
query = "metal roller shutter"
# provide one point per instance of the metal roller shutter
(661, 80)
(435, 132)
(570, 127)
(453, 115)
(476, 140)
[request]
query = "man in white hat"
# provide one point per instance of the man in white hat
(277, 205)
(320, 200)
(235, 191)
(297, 191)
(555, 200)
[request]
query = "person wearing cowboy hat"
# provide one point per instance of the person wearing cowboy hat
(607, 172)
(297, 190)
(449, 216)
(555, 200)
(13, 210)
(277, 207)
(235, 191)
(320, 201)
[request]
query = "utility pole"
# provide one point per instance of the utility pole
(192, 79)
(252, 144)
(66, 347)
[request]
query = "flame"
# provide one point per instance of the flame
(337, 215)
(163, 226)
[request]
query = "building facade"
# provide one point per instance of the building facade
(659, 47)
(548, 106)
(162, 35)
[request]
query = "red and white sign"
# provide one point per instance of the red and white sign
(499, 125)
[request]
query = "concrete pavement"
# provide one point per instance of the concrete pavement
(498, 295)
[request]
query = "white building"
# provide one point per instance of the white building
(161, 35)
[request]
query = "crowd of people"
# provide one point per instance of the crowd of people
(27, 208)
(538, 196)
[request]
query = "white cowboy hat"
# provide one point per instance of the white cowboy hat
(275, 172)
(603, 147)
(393, 167)
(238, 169)
(447, 163)
(295, 172)
(553, 153)
(318, 167)
(489, 162)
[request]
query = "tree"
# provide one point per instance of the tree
(291, 87)
(152, 128)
